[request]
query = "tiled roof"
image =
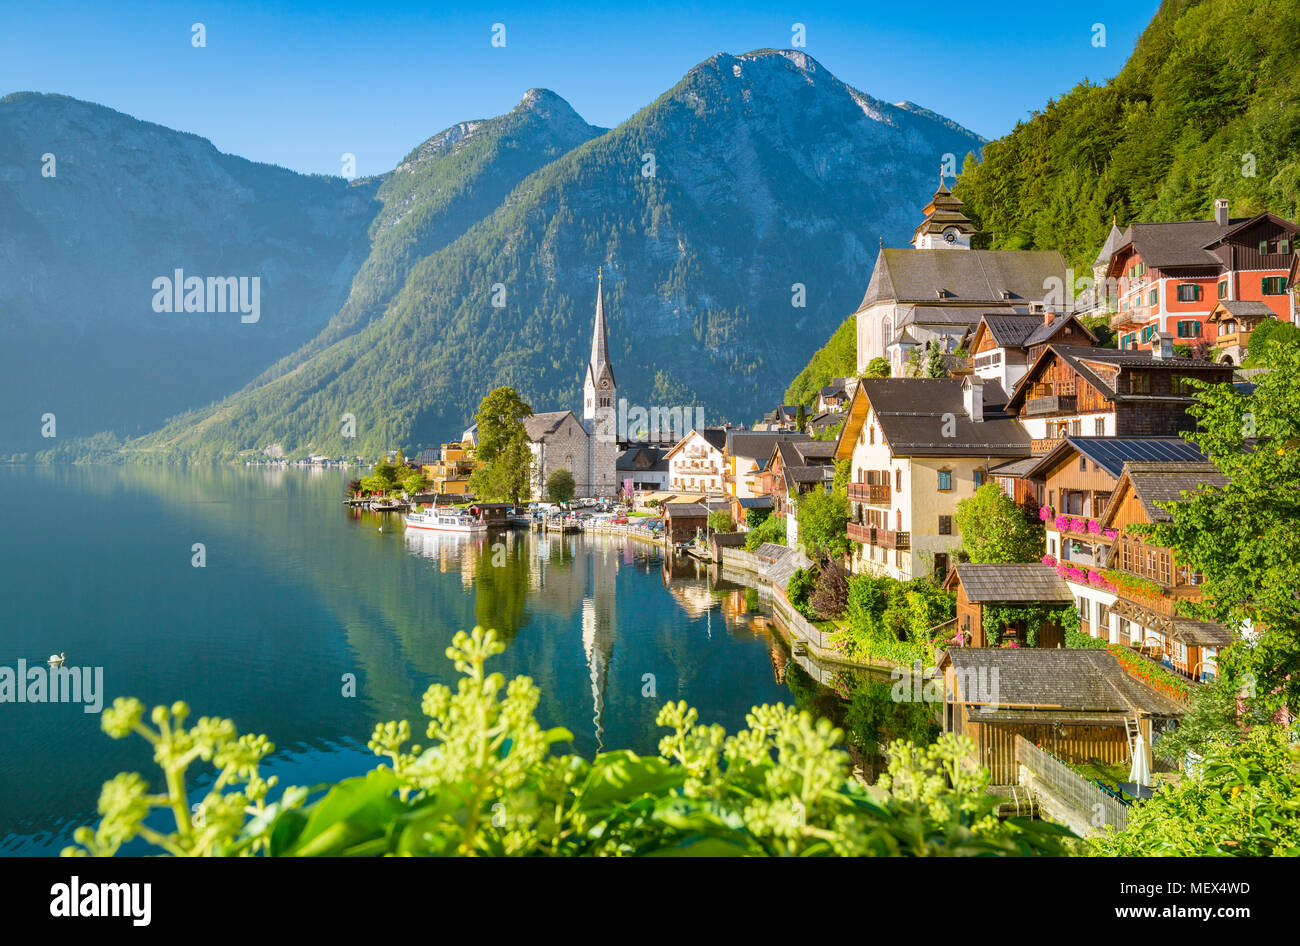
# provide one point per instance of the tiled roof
(1166, 482)
(1061, 680)
(968, 276)
(913, 412)
(1178, 243)
(1246, 308)
(642, 460)
(1013, 582)
(539, 425)
(747, 443)
(1200, 633)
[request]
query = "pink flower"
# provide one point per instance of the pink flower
(1061, 523)
(1094, 527)
(1110, 533)
(1049, 559)
(1044, 513)
(1060, 570)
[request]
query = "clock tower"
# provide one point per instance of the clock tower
(600, 408)
(944, 226)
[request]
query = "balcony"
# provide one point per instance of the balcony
(1119, 321)
(883, 538)
(1043, 445)
(873, 494)
(1051, 404)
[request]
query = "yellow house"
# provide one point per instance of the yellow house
(918, 447)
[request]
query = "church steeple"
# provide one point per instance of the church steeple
(944, 225)
(598, 386)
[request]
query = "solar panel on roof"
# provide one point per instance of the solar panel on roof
(1113, 452)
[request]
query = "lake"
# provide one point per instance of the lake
(295, 592)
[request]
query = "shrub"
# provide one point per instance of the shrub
(830, 596)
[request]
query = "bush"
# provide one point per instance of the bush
(877, 368)
(488, 784)
(798, 588)
(830, 596)
(720, 521)
(772, 530)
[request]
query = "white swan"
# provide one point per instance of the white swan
(56, 660)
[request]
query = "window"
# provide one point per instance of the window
(1076, 428)
(898, 481)
(1188, 328)
(1153, 297)
(1139, 382)
(945, 525)
(1223, 289)
(1083, 464)
(979, 478)
(1103, 620)
(1099, 427)
(1284, 246)
(945, 480)
(1274, 285)
(1148, 332)
(1189, 292)
(1085, 609)
(1263, 247)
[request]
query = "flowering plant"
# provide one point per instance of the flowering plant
(1049, 559)
(1062, 523)
(1044, 513)
(1094, 527)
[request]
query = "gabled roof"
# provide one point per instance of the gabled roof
(715, 437)
(913, 414)
(1051, 681)
(1114, 240)
(1111, 453)
(1161, 483)
(969, 277)
(1184, 243)
(1046, 331)
(539, 426)
(638, 459)
(1090, 362)
(1241, 309)
(1010, 582)
(758, 445)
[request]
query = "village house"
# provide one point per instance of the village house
(1105, 392)
(745, 453)
(1135, 600)
(998, 587)
(918, 446)
(448, 469)
(1003, 347)
(642, 468)
(696, 463)
(1229, 325)
(793, 468)
(935, 292)
(1169, 276)
(832, 397)
(825, 422)
(1080, 705)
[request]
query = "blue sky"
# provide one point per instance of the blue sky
(300, 85)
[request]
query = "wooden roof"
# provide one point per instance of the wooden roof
(1010, 582)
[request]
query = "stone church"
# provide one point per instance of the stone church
(588, 448)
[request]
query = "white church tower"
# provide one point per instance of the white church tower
(599, 409)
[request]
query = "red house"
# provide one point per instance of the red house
(1169, 276)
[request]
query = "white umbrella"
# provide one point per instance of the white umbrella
(1140, 774)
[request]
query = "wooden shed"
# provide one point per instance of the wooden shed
(1080, 705)
(1015, 585)
(682, 520)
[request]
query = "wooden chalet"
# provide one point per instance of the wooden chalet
(1229, 325)
(1003, 346)
(1080, 705)
(984, 585)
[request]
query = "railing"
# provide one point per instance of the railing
(1044, 444)
(884, 538)
(874, 494)
(1052, 404)
(1085, 799)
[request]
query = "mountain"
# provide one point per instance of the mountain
(122, 202)
(709, 209)
(1207, 106)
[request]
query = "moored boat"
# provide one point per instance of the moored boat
(445, 520)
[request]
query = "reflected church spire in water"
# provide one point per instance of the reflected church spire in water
(598, 630)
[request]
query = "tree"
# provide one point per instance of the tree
(830, 596)
(384, 477)
(1242, 537)
(772, 529)
(414, 482)
(504, 470)
(823, 517)
(500, 416)
(560, 486)
(995, 529)
(878, 368)
(934, 367)
(800, 419)
(720, 521)
(1270, 334)
(756, 517)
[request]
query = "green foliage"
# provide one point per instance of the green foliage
(559, 486)
(874, 718)
(892, 620)
(1269, 335)
(838, 358)
(995, 529)
(829, 433)
(488, 783)
(414, 482)
(756, 517)
(1099, 325)
(1078, 640)
(384, 477)
(1215, 713)
(799, 587)
(1208, 84)
(720, 521)
(801, 419)
(823, 517)
(878, 367)
(771, 529)
(1242, 800)
(504, 470)
(1242, 537)
(996, 617)
(830, 596)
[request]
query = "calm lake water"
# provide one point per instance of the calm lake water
(297, 592)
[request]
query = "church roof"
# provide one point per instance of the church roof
(540, 426)
(599, 368)
(968, 277)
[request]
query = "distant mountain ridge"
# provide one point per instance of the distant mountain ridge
(756, 183)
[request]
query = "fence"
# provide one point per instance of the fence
(1086, 806)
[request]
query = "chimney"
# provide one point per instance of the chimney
(973, 398)
(1164, 346)
(1221, 211)
(1048, 317)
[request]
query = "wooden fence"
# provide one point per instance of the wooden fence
(1065, 794)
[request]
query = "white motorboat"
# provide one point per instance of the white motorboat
(445, 520)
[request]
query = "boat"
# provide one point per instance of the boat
(445, 520)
